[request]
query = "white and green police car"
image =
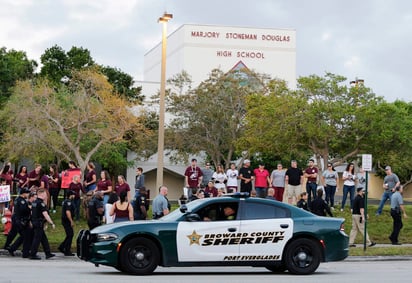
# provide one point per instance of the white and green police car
(260, 232)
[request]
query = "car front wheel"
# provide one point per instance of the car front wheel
(303, 257)
(139, 256)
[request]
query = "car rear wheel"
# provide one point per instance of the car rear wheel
(139, 256)
(302, 257)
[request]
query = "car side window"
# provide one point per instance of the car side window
(253, 211)
(219, 212)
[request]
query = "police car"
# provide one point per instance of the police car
(233, 230)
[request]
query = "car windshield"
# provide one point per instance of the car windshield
(176, 214)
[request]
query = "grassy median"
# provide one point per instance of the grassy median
(379, 228)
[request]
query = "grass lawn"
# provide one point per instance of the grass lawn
(379, 228)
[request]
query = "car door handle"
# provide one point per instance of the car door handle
(231, 229)
(284, 226)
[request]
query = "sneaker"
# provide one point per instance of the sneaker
(10, 250)
(69, 254)
(352, 245)
(332, 208)
(372, 244)
(50, 256)
(36, 257)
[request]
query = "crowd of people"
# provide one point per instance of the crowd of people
(105, 202)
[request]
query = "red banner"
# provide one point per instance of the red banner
(67, 177)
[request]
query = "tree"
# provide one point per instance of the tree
(58, 65)
(72, 122)
(322, 118)
(209, 118)
(14, 66)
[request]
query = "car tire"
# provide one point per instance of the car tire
(302, 257)
(277, 267)
(139, 256)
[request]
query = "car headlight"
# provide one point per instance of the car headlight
(102, 237)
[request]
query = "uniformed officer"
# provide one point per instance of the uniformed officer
(68, 210)
(40, 214)
(20, 221)
(141, 205)
(95, 210)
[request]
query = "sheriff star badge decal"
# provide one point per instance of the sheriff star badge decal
(194, 238)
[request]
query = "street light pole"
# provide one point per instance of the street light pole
(161, 135)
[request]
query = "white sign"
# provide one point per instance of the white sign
(4, 193)
(367, 162)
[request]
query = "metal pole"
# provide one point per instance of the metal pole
(161, 137)
(365, 212)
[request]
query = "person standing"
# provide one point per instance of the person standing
(397, 210)
(95, 210)
(104, 185)
(141, 205)
(91, 178)
(160, 204)
(262, 180)
(139, 182)
(232, 173)
(246, 177)
(39, 215)
(21, 178)
(277, 180)
(219, 177)
(348, 178)
(76, 187)
(33, 177)
(122, 186)
(311, 175)
(20, 221)
(54, 186)
(193, 178)
(122, 209)
(330, 181)
(68, 211)
(293, 181)
(390, 182)
(207, 174)
(358, 218)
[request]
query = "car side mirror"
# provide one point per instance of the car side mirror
(183, 208)
(192, 217)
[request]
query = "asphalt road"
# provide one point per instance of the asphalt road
(63, 269)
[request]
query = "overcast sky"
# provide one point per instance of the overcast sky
(367, 39)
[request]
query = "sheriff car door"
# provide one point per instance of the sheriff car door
(265, 228)
(212, 238)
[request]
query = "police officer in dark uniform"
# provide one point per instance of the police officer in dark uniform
(40, 214)
(95, 210)
(68, 210)
(141, 205)
(20, 221)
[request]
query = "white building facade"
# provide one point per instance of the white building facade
(198, 49)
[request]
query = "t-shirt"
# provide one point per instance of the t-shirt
(261, 178)
(207, 175)
(193, 174)
(294, 175)
(351, 179)
(391, 180)
(232, 177)
(102, 185)
(247, 173)
(122, 188)
(76, 188)
(361, 180)
(396, 200)
(358, 203)
(219, 180)
(159, 205)
(310, 171)
(331, 177)
(278, 178)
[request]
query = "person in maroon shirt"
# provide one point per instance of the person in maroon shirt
(210, 190)
(311, 173)
(104, 185)
(122, 186)
(193, 178)
(21, 178)
(76, 187)
(91, 178)
(34, 177)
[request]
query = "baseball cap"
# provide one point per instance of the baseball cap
(246, 161)
(24, 191)
(388, 168)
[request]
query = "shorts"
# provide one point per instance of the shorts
(294, 191)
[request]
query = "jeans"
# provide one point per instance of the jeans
(260, 192)
(330, 195)
(76, 203)
(311, 190)
(351, 191)
(385, 196)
